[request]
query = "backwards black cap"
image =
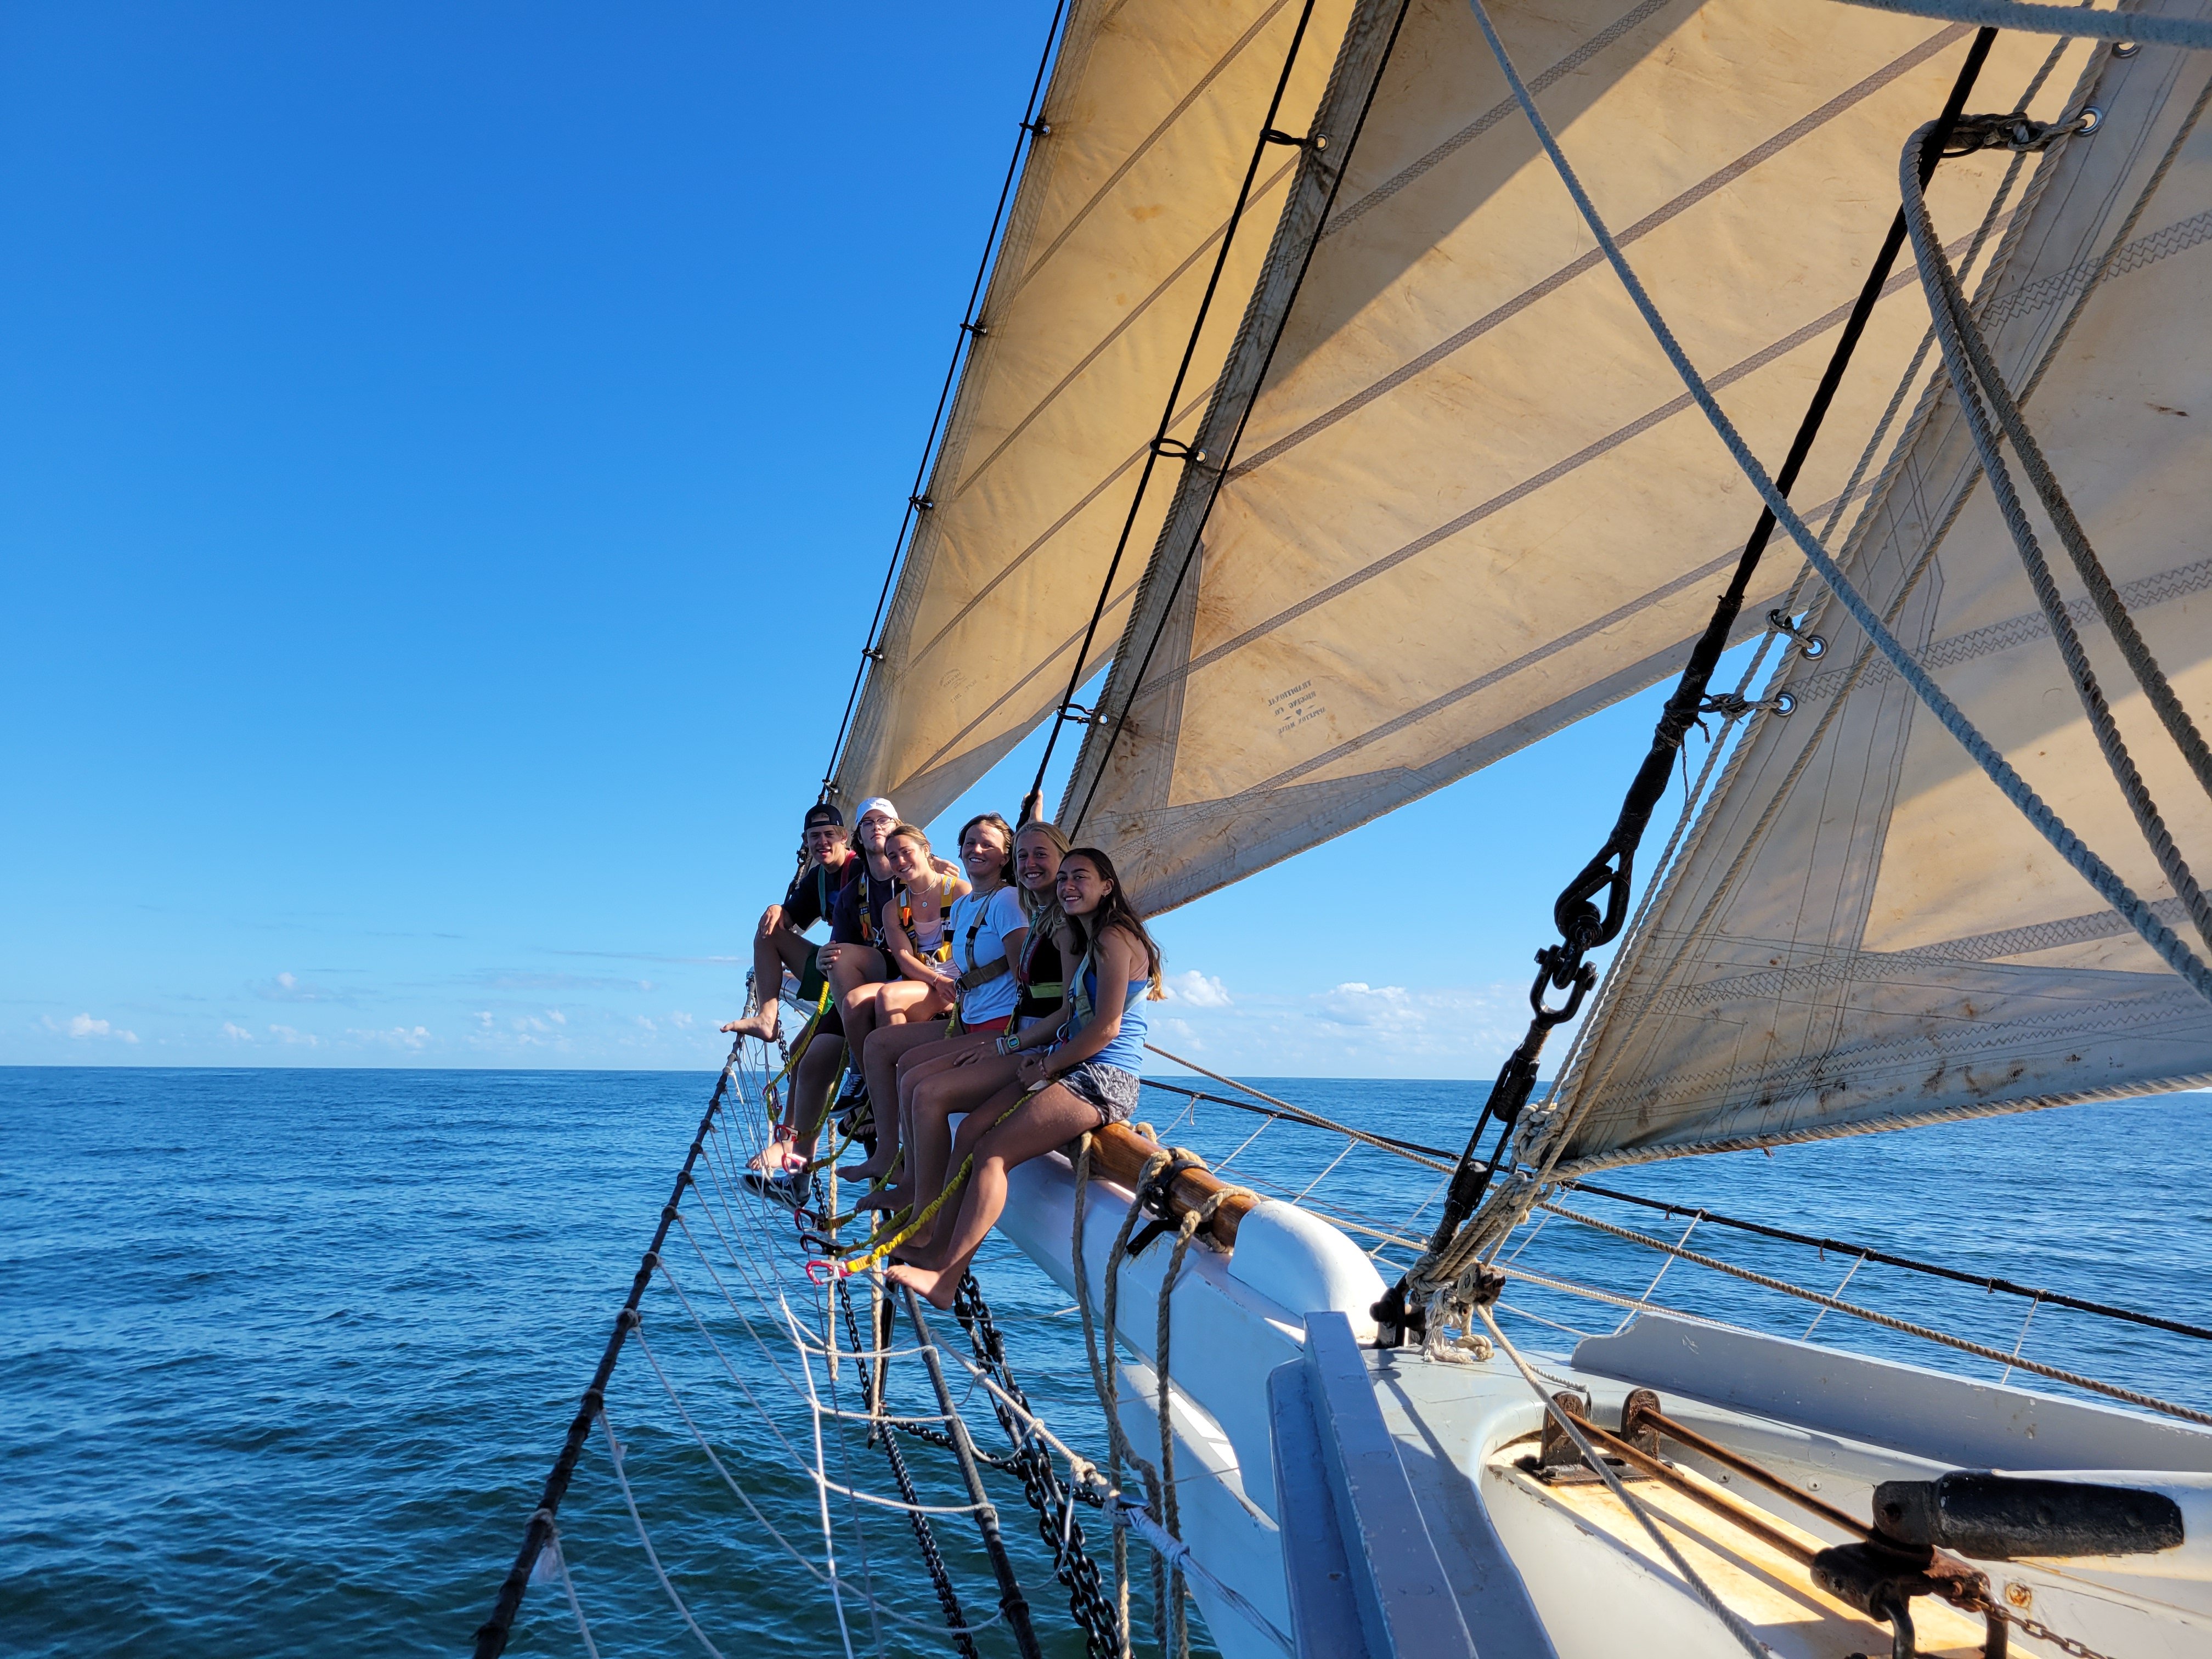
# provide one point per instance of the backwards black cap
(824, 812)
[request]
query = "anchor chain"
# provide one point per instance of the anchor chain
(1052, 1500)
(2034, 1628)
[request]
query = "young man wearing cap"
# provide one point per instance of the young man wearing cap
(781, 941)
(850, 959)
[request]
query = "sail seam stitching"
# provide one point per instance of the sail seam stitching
(1711, 184)
(1491, 116)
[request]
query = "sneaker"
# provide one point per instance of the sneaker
(789, 1187)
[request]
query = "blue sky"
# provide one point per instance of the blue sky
(446, 459)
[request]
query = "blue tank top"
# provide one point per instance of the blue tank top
(1126, 1049)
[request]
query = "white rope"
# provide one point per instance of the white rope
(2056, 20)
(1842, 1284)
(1564, 1419)
(1651, 1290)
(561, 1565)
(621, 1479)
(2070, 846)
(785, 1544)
(1997, 1356)
(1177, 1553)
(637, 1335)
(829, 1530)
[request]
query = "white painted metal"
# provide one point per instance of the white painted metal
(1529, 1568)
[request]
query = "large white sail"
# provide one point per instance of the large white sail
(1154, 108)
(1470, 503)
(1864, 934)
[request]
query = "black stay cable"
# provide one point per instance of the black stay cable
(1161, 444)
(491, 1635)
(1565, 967)
(1994, 1286)
(1220, 468)
(970, 331)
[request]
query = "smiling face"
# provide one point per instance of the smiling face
(908, 862)
(1082, 889)
(983, 854)
(1037, 862)
(826, 843)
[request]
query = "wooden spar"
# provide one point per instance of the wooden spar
(1119, 1153)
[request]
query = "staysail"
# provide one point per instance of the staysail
(1152, 113)
(1863, 933)
(1471, 504)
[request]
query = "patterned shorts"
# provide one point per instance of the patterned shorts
(1108, 1088)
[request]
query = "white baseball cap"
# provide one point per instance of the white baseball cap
(876, 803)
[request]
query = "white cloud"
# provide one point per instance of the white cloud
(299, 1039)
(1350, 1030)
(288, 987)
(398, 1036)
(1196, 990)
(682, 1022)
(236, 1033)
(81, 1026)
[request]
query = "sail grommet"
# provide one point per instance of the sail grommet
(1809, 646)
(1785, 703)
(2089, 121)
(2127, 48)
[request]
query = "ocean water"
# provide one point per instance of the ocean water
(287, 1353)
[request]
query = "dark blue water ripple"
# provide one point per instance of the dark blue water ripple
(287, 1353)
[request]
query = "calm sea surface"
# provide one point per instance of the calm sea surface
(287, 1353)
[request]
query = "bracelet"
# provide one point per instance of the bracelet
(1009, 1043)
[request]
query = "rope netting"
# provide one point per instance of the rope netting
(741, 1451)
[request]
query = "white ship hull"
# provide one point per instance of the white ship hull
(1511, 1565)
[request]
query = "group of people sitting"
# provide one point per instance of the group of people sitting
(1009, 987)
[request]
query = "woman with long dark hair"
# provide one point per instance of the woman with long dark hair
(1072, 1079)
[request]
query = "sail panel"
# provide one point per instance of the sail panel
(1472, 503)
(1154, 109)
(1864, 933)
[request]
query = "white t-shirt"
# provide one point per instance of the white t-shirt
(1000, 914)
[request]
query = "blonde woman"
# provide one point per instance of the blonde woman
(936, 1080)
(981, 936)
(908, 929)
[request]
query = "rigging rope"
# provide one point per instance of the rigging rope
(491, 1635)
(925, 1535)
(1410, 1149)
(1218, 470)
(969, 333)
(1967, 358)
(2080, 24)
(1954, 307)
(2129, 1396)
(1565, 1419)
(1033, 803)
(1564, 968)
(1688, 836)
(2085, 862)
(1864, 1253)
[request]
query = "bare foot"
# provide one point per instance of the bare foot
(761, 1025)
(891, 1198)
(867, 1170)
(772, 1156)
(935, 1285)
